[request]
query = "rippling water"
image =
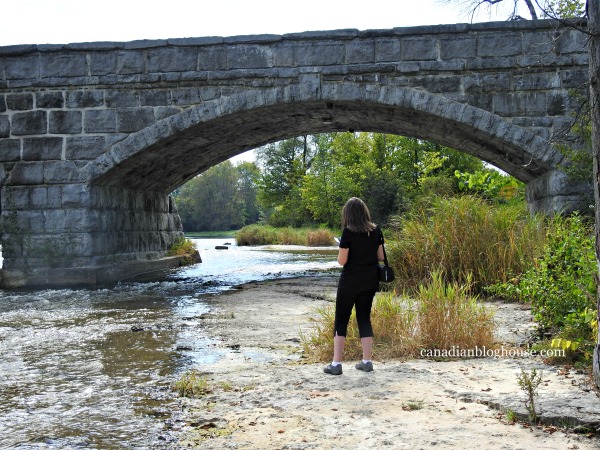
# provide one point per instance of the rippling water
(93, 369)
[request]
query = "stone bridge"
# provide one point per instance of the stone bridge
(94, 136)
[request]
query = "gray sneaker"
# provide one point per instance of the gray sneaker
(365, 367)
(333, 370)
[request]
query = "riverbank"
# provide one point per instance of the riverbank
(264, 397)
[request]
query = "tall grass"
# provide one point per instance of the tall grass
(465, 238)
(440, 317)
(267, 235)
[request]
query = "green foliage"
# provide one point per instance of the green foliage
(221, 198)
(185, 248)
(191, 384)
(565, 9)
(530, 383)
(490, 184)
(465, 238)
(561, 284)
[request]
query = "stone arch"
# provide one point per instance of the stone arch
(165, 155)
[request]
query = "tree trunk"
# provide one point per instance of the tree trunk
(593, 8)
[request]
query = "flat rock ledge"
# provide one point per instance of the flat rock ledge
(262, 395)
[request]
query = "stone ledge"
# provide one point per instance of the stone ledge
(106, 276)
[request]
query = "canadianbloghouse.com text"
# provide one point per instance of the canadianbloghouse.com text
(484, 352)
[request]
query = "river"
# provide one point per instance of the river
(94, 368)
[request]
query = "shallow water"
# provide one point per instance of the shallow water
(93, 369)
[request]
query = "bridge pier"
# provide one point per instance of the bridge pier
(554, 192)
(84, 236)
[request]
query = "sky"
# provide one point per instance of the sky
(69, 21)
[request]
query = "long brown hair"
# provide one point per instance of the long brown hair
(356, 216)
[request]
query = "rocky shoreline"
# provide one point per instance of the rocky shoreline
(262, 395)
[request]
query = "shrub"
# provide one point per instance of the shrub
(464, 237)
(191, 384)
(449, 316)
(185, 248)
(256, 235)
(267, 235)
(442, 316)
(319, 237)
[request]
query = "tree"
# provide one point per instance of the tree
(284, 165)
(593, 10)
(212, 201)
(248, 178)
(535, 8)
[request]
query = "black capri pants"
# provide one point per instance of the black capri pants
(347, 299)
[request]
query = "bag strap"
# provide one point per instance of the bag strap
(383, 245)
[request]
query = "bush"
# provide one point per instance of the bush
(320, 237)
(267, 235)
(561, 284)
(465, 238)
(185, 248)
(442, 316)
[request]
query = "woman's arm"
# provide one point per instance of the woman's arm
(343, 256)
(380, 255)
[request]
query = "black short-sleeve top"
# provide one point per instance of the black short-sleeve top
(360, 271)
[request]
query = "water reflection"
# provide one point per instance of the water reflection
(92, 369)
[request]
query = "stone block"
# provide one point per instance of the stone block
(39, 197)
(539, 43)
(65, 122)
(47, 100)
(166, 111)
(457, 47)
(100, 121)
(2, 103)
(42, 148)
(10, 149)
(574, 78)
(419, 49)
(134, 119)
(320, 54)
(33, 122)
(70, 65)
(172, 59)
(27, 173)
(85, 99)
(557, 102)
(75, 196)
(21, 67)
(4, 127)
(121, 99)
(60, 172)
(536, 81)
(16, 198)
(212, 58)
(155, 98)
(249, 57)
(54, 194)
(360, 52)
(19, 102)
(497, 82)
(387, 50)
(84, 147)
(571, 40)
(498, 44)
(186, 96)
(131, 62)
(103, 63)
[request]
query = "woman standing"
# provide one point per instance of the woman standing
(359, 253)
